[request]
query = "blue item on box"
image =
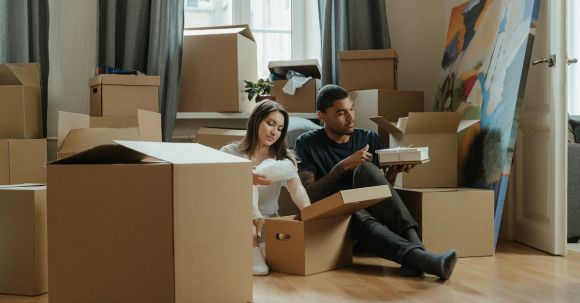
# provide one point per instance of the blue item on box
(103, 69)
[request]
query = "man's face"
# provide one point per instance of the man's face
(339, 118)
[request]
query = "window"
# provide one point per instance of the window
(279, 26)
(573, 52)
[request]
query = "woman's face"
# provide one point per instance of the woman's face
(270, 128)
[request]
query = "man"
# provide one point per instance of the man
(340, 156)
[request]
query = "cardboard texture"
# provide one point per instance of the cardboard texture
(435, 130)
(389, 103)
(123, 95)
(218, 137)
(320, 240)
(460, 218)
(196, 237)
(23, 249)
(78, 132)
(368, 69)
(23, 161)
(304, 99)
(20, 104)
(215, 63)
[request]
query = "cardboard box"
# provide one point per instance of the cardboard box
(460, 218)
(368, 69)
(20, 103)
(389, 103)
(403, 155)
(122, 229)
(435, 130)
(215, 63)
(123, 95)
(23, 264)
(304, 99)
(319, 240)
(78, 132)
(22, 161)
(218, 137)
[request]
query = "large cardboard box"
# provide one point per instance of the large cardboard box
(123, 95)
(435, 130)
(318, 240)
(78, 132)
(215, 63)
(22, 161)
(23, 265)
(123, 229)
(218, 137)
(20, 103)
(460, 218)
(391, 104)
(368, 69)
(304, 99)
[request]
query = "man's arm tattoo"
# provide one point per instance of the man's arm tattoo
(325, 186)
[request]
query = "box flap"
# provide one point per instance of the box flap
(387, 126)
(20, 74)
(221, 131)
(367, 54)
(136, 80)
(308, 67)
(104, 154)
(68, 121)
(464, 124)
(345, 202)
(242, 29)
(23, 186)
(182, 153)
(433, 123)
(113, 122)
(149, 126)
(81, 139)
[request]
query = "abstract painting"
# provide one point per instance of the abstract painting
(483, 75)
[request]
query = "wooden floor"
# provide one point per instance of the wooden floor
(516, 274)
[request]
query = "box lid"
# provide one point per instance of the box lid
(425, 123)
(242, 29)
(345, 202)
(134, 80)
(368, 54)
(308, 67)
(20, 74)
(23, 186)
(221, 131)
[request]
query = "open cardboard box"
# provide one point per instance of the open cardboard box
(319, 239)
(304, 99)
(79, 132)
(218, 137)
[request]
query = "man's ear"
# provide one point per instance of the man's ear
(321, 116)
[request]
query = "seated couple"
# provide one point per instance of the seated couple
(333, 158)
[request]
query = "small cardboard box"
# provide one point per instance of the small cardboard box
(319, 239)
(218, 137)
(368, 69)
(22, 161)
(304, 99)
(123, 95)
(389, 103)
(215, 63)
(20, 104)
(23, 264)
(124, 229)
(403, 155)
(78, 132)
(460, 218)
(435, 130)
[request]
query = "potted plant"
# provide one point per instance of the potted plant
(260, 89)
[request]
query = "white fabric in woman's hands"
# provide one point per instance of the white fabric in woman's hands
(277, 170)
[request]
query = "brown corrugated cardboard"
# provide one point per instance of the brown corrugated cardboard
(215, 63)
(22, 161)
(304, 99)
(123, 95)
(23, 264)
(122, 229)
(319, 240)
(20, 105)
(368, 69)
(78, 132)
(218, 137)
(389, 103)
(460, 218)
(436, 130)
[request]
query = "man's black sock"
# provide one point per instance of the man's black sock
(439, 265)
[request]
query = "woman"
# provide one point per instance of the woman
(265, 145)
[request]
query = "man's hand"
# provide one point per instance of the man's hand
(391, 172)
(357, 158)
(258, 179)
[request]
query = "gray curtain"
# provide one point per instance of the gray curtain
(24, 38)
(146, 35)
(350, 25)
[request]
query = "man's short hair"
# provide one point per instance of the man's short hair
(327, 95)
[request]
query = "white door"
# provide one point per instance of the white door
(540, 176)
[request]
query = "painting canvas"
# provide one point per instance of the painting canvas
(484, 68)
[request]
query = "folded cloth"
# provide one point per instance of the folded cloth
(294, 83)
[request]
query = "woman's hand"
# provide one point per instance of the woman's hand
(258, 179)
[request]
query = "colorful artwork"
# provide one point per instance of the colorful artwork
(484, 70)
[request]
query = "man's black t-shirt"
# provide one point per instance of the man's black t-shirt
(319, 154)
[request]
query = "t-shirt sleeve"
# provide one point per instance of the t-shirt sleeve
(303, 151)
(375, 143)
(230, 149)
